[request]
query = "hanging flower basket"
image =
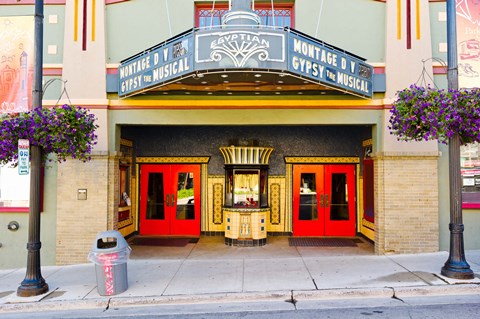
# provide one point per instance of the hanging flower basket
(421, 113)
(66, 131)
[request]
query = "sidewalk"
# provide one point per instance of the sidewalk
(210, 271)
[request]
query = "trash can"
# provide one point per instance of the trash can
(110, 253)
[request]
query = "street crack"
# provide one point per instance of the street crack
(108, 304)
(292, 300)
(395, 297)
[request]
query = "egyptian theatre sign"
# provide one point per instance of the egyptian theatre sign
(245, 49)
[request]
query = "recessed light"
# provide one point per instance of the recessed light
(279, 87)
(209, 93)
(280, 82)
(179, 82)
(224, 75)
(228, 88)
(204, 82)
(226, 81)
(184, 88)
(206, 88)
(229, 93)
(187, 93)
(257, 93)
(323, 92)
(258, 75)
(258, 81)
(277, 92)
(257, 88)
(165, 92)
(300, 93)
(306, 82)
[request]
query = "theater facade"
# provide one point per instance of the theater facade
(242, 119)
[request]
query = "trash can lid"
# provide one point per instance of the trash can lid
(109, 242)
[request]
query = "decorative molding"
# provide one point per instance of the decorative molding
(319, 160)
(368, 224)
(217, 203)
(190, 160)
(368, 142)
(275, 204)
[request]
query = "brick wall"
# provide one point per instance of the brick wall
(79, 221)
(406, 201)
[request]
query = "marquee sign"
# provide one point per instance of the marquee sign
(282, 50)
(329, 66)
(239, 49)
(159, 65)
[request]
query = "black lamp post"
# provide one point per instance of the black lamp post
(34, 284)
(456, 266)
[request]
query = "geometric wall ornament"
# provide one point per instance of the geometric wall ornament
(217, 203)
(275, 204)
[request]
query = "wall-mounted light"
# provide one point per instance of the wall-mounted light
(13, 226)
(82, 194)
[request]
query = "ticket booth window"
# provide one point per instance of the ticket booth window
(246, 187)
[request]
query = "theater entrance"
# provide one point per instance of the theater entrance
(170, 199)
(324, 200)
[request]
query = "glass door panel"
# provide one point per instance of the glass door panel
(185, 196)
(156, 195)
(339, 199)
(308, 197)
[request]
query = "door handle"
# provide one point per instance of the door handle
(172, 200)
(326, 200)
(321, 200)
(167, 201)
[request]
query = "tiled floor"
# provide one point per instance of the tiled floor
(215, 248)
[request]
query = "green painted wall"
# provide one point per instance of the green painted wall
(13, 252)
(134, 26)
(361, 33)
(438, 29)
(471, 217)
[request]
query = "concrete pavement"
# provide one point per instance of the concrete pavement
(210, 271)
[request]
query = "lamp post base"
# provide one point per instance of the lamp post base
(30, 288)
(458, 271)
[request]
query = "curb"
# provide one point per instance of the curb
(286, 296)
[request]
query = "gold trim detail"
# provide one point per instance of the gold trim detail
(190, 160)
(275, 204)
(217, 203)
(314, 159)
(126, 142)
(368, 142)
(368, 224)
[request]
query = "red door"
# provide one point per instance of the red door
(324, 200)
(170, 200)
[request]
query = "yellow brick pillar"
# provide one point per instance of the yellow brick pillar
(406, 203)
(80, 218)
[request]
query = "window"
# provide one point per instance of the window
(14, 190)
(282, 17)
(470, 170)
